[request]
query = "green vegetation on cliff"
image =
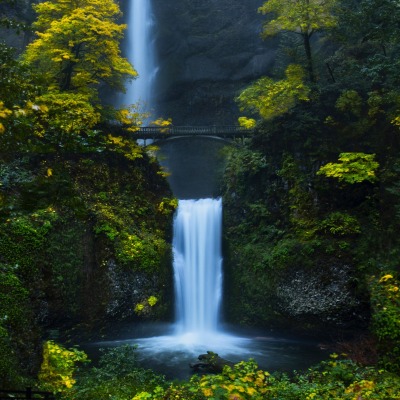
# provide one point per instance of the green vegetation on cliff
(311, 201)
(85, 214)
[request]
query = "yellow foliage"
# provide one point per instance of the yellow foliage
(352, 168)
(4, 113)
(139, 308)
(271, 98)
(77, 45)
(248, 123)
(294, 15)
(126, 146)
(58, 367)
(162, 122)
(167, 206)
(385, 278)
(207, 392)
(152, 300)
(131, 117)
(69, 113)
(361, 388)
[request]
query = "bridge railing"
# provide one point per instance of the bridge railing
(158, 132)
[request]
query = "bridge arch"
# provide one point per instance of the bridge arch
(160, 141)
(227, 132)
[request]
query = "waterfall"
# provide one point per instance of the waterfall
(198, 281)
(141, 54)
(198, 265)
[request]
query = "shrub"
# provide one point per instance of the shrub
(59, 366)
(385, 302)
(117, 377)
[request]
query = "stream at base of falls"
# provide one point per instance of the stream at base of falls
(161, 349)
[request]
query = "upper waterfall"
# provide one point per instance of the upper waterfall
(140, 52)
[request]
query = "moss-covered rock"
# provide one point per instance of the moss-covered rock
(289, 261)
(83, 243)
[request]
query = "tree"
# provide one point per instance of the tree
(303, 17)
(77, 46)
(369, 20)
(76, 52)
(271, 98)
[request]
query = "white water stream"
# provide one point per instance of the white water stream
(141, 54)
(198, 266)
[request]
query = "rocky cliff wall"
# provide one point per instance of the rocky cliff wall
(207, 50)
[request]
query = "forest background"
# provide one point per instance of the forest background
(311, 203)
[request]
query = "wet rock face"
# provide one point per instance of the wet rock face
(325, 294)
(207, 51)
(126, 288)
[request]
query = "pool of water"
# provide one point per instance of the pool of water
(168, 353)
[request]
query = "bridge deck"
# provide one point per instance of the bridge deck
(158, 132)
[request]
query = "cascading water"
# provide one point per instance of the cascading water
(198, 281)
(141, 54)
(198, 266)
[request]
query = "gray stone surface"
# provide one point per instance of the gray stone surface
(207, 51)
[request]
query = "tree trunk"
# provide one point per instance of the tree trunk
(307, 47)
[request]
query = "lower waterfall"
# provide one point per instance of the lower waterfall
(170, 348)
(198, 266)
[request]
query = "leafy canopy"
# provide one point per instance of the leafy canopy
(301, 16)
(50, 97)
(77, 45)
(270, 98)
(352, 168)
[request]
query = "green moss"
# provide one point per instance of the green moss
(15, 316)
(72, 238)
